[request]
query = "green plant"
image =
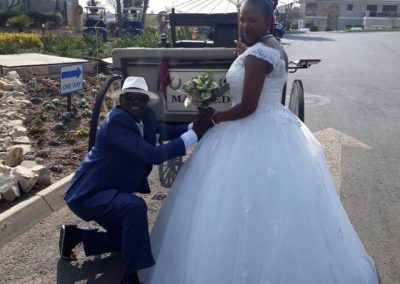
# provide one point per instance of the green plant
(70, 138)
(9, 47)
(87, 112)
(83, 103)
(148, 39)
(37, 121)
(49, 105)
(94, 43)
(20, 22)
(82, 132)
(59, 126)
(36, 129)
(11, 43)
(5, 15)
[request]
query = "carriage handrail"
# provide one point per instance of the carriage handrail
(302, 64)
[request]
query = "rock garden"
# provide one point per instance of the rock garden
(40, 142)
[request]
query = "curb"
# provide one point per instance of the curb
(27, 213)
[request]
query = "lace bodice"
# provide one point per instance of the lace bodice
(272, 90)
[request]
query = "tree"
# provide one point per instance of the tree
(92, 2)
(20, 22)
(293, 15)
(394, 18)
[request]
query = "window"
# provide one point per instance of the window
(372, 8)
(389, 8)
(349, 7)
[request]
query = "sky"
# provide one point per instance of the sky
(216, 6)
(155, 5)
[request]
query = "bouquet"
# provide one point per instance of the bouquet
(203, 90)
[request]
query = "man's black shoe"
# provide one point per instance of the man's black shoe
(70, 236)
(130, 278)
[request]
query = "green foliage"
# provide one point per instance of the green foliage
(148, 39)
(53, 20)
(20, 22)
(82, 132)
(5, 15)
(86, 113)
(69, 46)
(11, 43)
(94, 44)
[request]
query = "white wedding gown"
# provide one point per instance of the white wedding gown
(255, 203)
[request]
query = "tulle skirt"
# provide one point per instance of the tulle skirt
(255, 204)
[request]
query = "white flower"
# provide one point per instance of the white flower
(214, 85)
(187, 101)
(205, 96)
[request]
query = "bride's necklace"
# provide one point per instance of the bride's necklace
(265, 37)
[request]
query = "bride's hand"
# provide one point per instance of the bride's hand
(240, 47)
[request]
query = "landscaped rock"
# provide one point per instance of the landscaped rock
(14, 156)
(19, 131)
(13, 123)
(6, 86)
(16, 94)
(28, 164)
(26, 178)
(22, 140)
(4, 169)
(43, 173)
(9, 189)
(27, 149)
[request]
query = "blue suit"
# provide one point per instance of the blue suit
(117, 166)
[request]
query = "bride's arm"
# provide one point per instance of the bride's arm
(255, 71)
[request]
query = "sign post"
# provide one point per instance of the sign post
(71, 80)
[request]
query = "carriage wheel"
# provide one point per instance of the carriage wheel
(296, 100)
(168, 170)
(103, 105)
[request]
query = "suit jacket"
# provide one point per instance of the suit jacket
(121, 159)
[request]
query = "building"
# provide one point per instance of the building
(46, 6)
(345, 14)
(68, 8)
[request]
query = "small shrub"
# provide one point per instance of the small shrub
(87, 112)
(147, 39)
(37, 121)
(11, 43)
(70, 138)
(5, 15)
(20, 22)
(59, 126)
(83, 103)
(36, 129)
(49, 106)
(82, 132)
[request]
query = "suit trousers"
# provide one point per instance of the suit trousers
(124, 219)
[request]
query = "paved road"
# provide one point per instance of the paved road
(351, 96)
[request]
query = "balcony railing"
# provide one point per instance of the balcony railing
(381, 14)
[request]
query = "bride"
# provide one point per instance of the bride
(255, 203)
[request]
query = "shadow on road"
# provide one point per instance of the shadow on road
(306, 37)
(106, 269)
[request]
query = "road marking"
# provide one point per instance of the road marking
(332, 141)
(315, 100)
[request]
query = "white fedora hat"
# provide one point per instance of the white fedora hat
(137, 85)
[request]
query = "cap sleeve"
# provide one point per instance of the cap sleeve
(265, 53)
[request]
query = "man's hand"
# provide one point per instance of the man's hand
(202, 121)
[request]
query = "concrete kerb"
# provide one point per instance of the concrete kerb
(27, 213)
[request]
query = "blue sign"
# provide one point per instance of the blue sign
(71, 78)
